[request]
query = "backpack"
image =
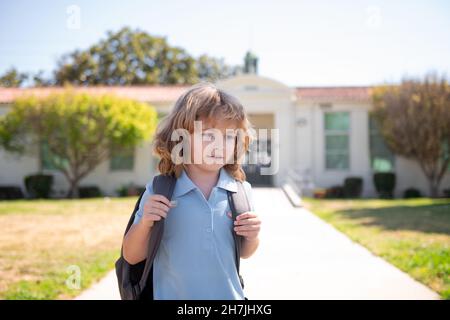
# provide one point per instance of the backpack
(136, 281)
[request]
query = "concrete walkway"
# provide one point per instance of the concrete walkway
(302, 257)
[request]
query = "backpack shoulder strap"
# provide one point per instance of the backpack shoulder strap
(240, 200)
(238, 204)
(163, 185)
(136, 208)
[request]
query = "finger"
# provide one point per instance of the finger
(159, 205)
(154, 207)
(247, 228)
(246, 215)
(229, 215)
(247, 221)
(159, 197)
(158, 212)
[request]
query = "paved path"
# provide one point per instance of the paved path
(302, 257)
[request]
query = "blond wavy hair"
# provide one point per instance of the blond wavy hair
(202, 101)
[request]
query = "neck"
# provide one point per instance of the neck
(199, 175)
(202, 178)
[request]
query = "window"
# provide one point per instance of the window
(122, 159)
(48, 159)
(381, 158)
(337, 125)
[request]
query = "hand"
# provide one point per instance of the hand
(247, 224)
(155, 208)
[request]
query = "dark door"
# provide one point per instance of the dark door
(261, 150)
(263, 159)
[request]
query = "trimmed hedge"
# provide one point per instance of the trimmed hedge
(353, 187)
(10, 193)
(335, 192)
(412, 193)
(130, 190)
(446, 193)
(89, 192)
(39, 185)
(385, 184)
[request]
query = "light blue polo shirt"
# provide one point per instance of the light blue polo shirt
(196, 257)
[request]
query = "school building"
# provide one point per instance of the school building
(325, 134)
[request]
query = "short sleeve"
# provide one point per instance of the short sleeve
(147, 193)
(249, 193)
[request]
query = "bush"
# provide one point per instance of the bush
(319, 193)
(384, 184)
(412, 193)
(140, 189)
(129, 190)
(122, 191)
(335, 192)
(353, 187)
(446, 193)
(10, 193)
(71, 120)
(39, 185)
(89, 192)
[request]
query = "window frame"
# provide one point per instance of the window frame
(337, 132)
(375, 132)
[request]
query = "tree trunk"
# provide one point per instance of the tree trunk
(434, 188)
(73, 190)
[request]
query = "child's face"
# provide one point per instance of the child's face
(214, 146)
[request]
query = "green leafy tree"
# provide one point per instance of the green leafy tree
(414, 120)
(213, 69)
(127, 57)
(79, 130)
(133, 57)
(13, 78)
(39, 80)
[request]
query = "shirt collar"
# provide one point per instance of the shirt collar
(185, 184)
(226, 181)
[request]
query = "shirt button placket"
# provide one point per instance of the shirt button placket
(211, 211)
(209, 228)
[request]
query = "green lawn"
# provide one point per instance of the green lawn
(41, 241)
(412, 234)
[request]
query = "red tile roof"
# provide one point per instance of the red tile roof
(333, 93)
(170, 93)
(141, 93)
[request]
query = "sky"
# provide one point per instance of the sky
(299, 43)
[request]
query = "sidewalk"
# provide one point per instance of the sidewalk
(302, 257)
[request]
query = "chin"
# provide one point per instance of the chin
(211, 167)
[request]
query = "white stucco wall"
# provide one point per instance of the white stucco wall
(301, 143)
(310, 153)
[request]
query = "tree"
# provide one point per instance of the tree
(213, 69)
(12, 78)
(39, 80)
(79, 130)
(133, 57)
(127, 57)
(414, 119)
